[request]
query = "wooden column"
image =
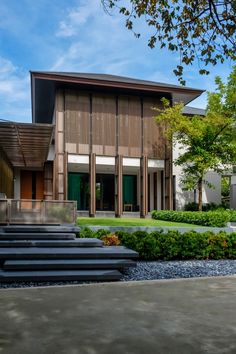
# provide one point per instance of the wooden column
(59, 162)
(168, 178)
(54, 181)
(119, 186)
(155, 190)
(143, 186)
(92, 184)
(66, 175)
(48, 180)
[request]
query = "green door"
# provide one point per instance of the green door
(130, 190)
(78, 189)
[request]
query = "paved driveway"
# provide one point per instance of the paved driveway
(184, 316)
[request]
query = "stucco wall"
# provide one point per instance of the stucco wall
(209, 195)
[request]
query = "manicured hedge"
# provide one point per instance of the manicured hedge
(218, 218)
(192, 206)
(174, 244)
(232, 215)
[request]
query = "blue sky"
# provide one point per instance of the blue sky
(77, 36)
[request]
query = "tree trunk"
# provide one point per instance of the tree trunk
(200, 194)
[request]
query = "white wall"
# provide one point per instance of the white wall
(233, 179)
(184, 197)
(212, 195)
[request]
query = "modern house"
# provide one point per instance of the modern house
(93, 139)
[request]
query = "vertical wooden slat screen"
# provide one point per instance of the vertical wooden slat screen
(129, 109)
(59, 167)
(154, 141)
(123, 109)
(104, 124)
(76, 122)
(134, 127)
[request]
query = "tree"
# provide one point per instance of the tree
(208, 142)
(200, 30)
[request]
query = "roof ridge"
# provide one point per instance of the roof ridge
(114, 78)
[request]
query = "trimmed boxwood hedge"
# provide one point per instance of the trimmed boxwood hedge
(174, 245)
(218, 218)
(232, 215)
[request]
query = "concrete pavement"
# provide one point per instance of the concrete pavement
(186, 316)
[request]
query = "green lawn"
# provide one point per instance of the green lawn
(128, 222)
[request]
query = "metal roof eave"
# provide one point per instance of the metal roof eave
(26, 144)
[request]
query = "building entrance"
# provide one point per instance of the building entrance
(105, 192)
(130, 192)
(78, 189)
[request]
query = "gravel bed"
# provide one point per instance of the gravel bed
(179, 269)
(154, 270)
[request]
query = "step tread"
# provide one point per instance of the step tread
(67, 252)
(39, 228)
(68, 264)
(36, 235)
(79, 242)
(63, 275)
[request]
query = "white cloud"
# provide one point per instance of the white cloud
(77, 17)
(96, 42)
(6, 67)
(14, 92)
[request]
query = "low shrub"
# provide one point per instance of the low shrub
(231, 250)
(217, 245)
(194, 245)
(203, 218)
(110, 240)
(172, 245)
(232, 215)
(85, 232)
(192, 206)
(101, 232)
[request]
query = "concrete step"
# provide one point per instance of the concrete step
(60, 275)
(40, 228)
(78, 242)
(36, 236)
(111, 252)
(17, 265)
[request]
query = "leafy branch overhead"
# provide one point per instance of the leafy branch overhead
(199, 30)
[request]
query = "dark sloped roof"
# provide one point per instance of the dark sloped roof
(114, 78)
(193, 111)
(45, 83)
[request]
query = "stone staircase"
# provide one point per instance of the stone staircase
(53, 253)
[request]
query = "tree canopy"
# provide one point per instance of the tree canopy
(199, 30)
(208, 142)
